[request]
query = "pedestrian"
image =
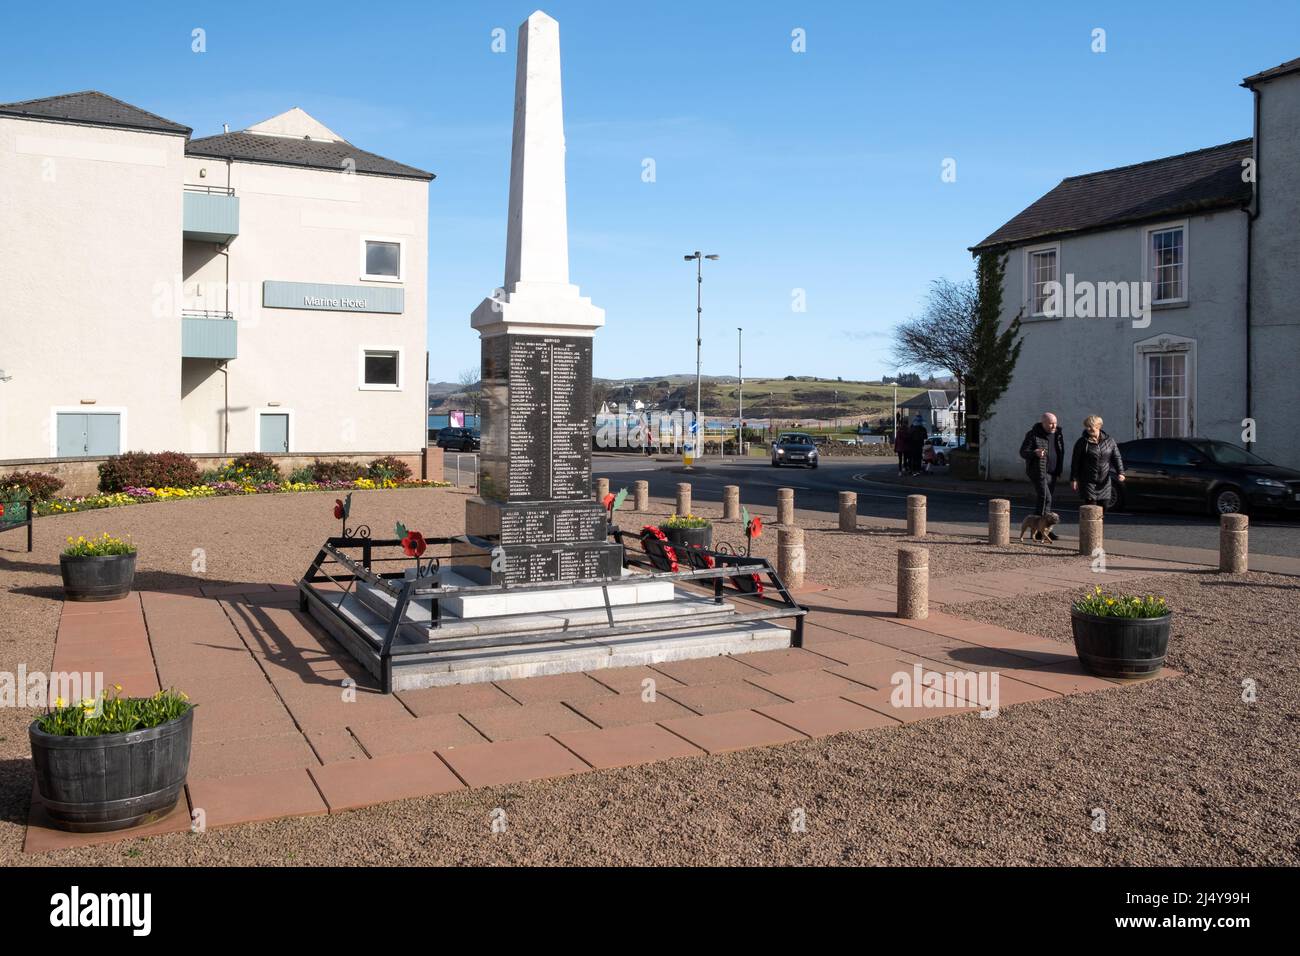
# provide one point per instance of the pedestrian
(900, 444)
(1096, 465)
(916, 436)
(1044, 453)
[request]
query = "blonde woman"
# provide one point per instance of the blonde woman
(1096, 465)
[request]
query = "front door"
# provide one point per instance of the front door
(79, 434)
(274, 435)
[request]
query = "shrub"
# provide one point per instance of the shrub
(138, 469)
(323, 471)
(252, 468)
(389, 467)
(302, 476)
(40, 486)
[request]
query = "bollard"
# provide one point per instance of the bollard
(999, 521)
(642, 500)
(1090, 529)
(785, 506)
(1234, 552)
(683, 497)
(789, 556)
(848, 511)
(602, 488)
(913, 583)
(731, 503)
(916, 516)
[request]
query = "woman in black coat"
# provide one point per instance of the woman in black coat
(1095, 465)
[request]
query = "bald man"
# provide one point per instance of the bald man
(1044, 453)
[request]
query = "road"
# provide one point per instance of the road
(818, 490)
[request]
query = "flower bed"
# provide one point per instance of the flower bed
(132, 495)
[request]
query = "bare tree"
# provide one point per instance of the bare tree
(471, 388)
(942, 337)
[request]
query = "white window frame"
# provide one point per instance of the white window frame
(1029, 276)
(1163, 345)
(1148, 265)
(361, 368)
(118, 410)
(401, 259)
(257, 428)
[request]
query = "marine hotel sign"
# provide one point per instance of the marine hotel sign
(331, 298)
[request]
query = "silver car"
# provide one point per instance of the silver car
(794, 448)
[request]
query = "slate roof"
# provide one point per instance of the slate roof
(92, 107)
(290, 151)
(1290, 66)
(930, 398)
(1201, 180)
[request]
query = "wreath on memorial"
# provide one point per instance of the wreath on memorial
(655, 544)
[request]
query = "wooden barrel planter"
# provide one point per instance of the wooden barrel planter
(105, 577)
(112, 781)
(1126, 647)
(690, 537)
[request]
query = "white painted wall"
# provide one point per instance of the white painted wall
(1076, 367)
(90, 226)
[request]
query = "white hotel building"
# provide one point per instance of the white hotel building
(261, 290)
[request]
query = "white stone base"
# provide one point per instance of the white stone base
(541, 602)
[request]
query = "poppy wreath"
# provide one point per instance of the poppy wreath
(699, 558)
(655, 544)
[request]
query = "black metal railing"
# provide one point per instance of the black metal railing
(9, 521)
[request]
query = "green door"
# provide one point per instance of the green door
(274, 434)
(97, 434)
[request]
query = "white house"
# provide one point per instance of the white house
(1162, 295)
(254, 290)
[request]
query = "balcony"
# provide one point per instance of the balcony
(209, 335)
(211, 213)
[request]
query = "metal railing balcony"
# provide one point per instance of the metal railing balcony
(210, 214)
(209, 335)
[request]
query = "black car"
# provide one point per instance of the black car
(794, 448)
(1200, 474)
(459, 439)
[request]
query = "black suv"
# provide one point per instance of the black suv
(1201, 474)
(459, 439)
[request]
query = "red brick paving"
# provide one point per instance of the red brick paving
(275, 729)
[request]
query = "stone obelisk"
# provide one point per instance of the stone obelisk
(535, 517)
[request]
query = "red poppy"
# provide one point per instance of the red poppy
(608, 501)
(755, 529)
(413, 544)
(338, 508)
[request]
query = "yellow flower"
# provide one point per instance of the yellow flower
(59, 702)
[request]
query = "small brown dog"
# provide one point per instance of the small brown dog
(1040, 525)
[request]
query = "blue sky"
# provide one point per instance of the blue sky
(817, 171)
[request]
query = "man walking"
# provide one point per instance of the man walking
(1044, 453)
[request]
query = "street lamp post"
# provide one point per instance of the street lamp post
(699, 285)
(740, 393)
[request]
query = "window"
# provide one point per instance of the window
(1166, 255)
(1041, 267)
(381, 368)
(1166, 395)
(382, 260)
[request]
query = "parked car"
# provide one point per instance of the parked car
(1200, 474)
(459, 439)
(936, 450)
(794, 448)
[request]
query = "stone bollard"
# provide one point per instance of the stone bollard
(602, 488)
(1234, 552)
(789, 556)
(1090, 529)
(916, 516)
(999, 522)
(641, 501)
(913, 583)
(785, 506)
(848, 511)
(731, 503)
(683, 497)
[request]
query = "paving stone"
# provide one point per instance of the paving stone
(553, 687)
(627, 746)
(874, 674)
(130, 604)
(631, 680)
(879, 700)
(229, 800)
(780, 662)
(1065, 678)
(623, 709)
(823, 716)
(512, 761)
(334, 745)
(528, 720)
(89, 661)
(361, 783)
(805, 685)
(236, 719)
(416, 734)
(328, 708)
(854, 650)
(455, 699)
(228, 758)
(718, 698)
(733, 730)
(42, 836)
(972, 657)
(707, 670)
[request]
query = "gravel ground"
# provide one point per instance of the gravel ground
(1186, 772)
